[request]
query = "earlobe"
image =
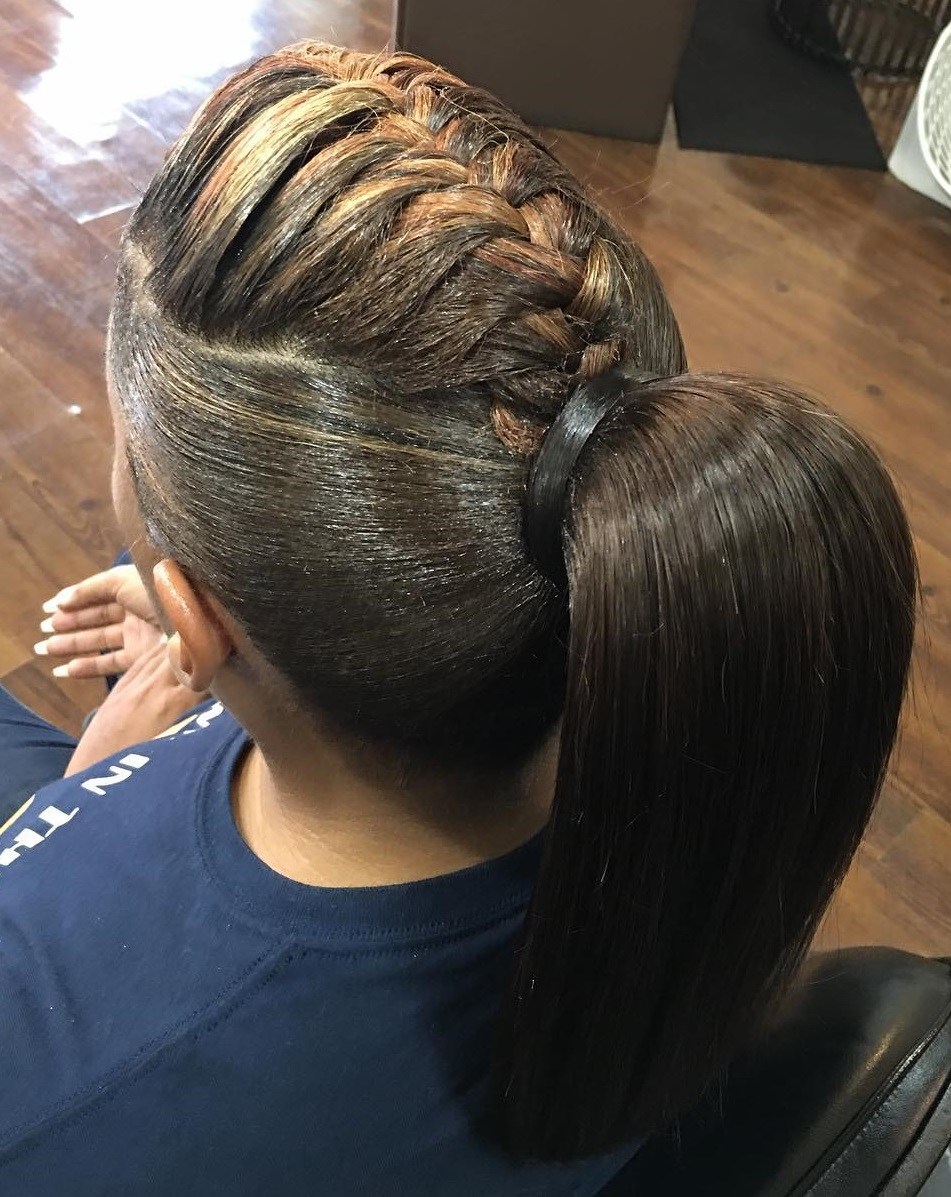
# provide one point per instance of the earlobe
(199, 644)
(181, 663)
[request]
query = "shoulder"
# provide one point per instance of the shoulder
(106, 911)
(78, 822)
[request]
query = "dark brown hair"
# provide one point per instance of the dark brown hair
(348, 308)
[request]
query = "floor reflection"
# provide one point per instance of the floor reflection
(78, 65)
(110, 52)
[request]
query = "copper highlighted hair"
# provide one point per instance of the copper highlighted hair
(348, 308)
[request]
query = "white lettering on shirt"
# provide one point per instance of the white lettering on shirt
(28, 838)
(97, 785)
(54, 818)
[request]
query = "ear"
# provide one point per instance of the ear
(200, 643)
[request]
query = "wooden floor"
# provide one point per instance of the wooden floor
(836, 279)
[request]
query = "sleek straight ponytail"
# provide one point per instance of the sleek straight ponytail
(742, 593)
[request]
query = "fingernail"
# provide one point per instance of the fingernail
(61, 671)
(47, 626)
(41, 649)
(53, 605)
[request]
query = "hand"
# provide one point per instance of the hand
(102, 625)
(147, 700)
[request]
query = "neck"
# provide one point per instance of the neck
(303, 808)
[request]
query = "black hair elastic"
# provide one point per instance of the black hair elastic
(589, 403)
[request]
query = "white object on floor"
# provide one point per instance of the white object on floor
(922, 155)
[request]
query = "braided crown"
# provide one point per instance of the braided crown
(381, 207)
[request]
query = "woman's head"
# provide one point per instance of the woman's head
(348, 309)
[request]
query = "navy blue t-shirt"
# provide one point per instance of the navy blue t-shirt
(177, 1018)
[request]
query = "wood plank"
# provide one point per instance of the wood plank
(59, 459)
(65, 469)
(38, 238)
(78, 179)
(901, 898)
(39, 19)
(40, 557)
(47, 334)
(895, 810)
(22, 58)
(109, 227)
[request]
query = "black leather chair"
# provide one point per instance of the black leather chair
(848, 1094)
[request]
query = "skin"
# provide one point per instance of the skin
(311, 806)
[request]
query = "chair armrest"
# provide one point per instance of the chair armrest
(850, 1086)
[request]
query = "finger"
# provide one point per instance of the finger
(77, 644)
(154, 662)
(100, 588)
(86, 667)
(103, 615)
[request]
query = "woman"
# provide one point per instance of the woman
(553, 685)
